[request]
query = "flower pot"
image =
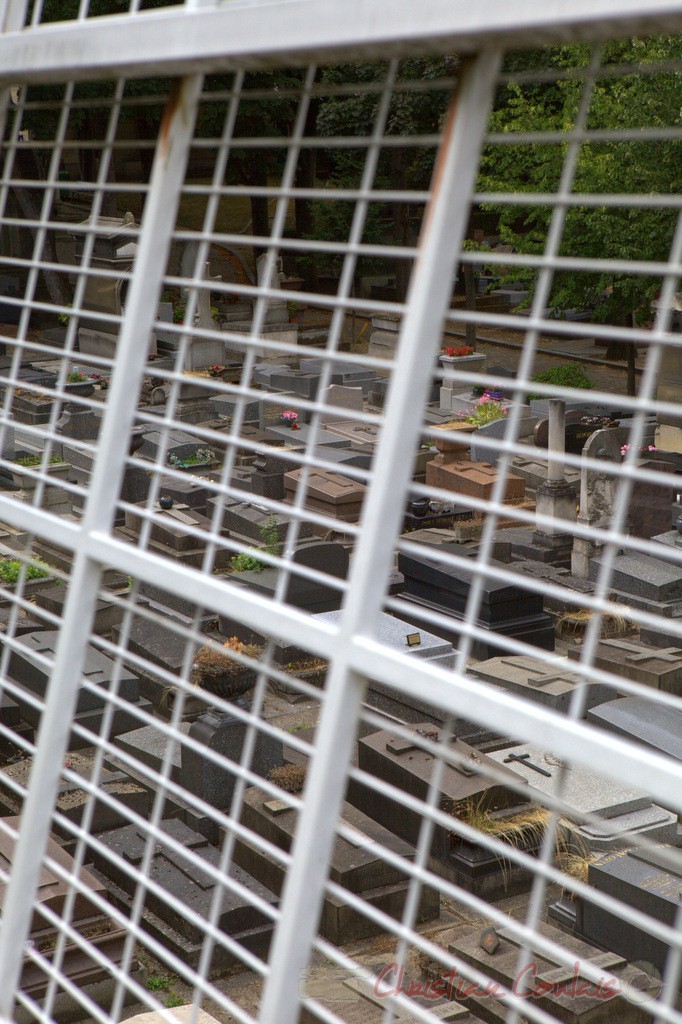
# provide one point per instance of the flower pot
(457, 443)
(419, 507)
(475, 363)
(83, 388)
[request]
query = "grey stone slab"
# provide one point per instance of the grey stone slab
(563, 1002)
(392, 633)
(175, 874)
(586, 791)
(305, 434)
(354, 866)
(25, 667)
(660, 668)
(638, 719)
(249, 518)
(263, 372)
(303, 384)
(643, 576)
(533, 679)
(653, 823)
(224, 734)
(366, 434)
(408, 767)
(313, 596)
(156, 439)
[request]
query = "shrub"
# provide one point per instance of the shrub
(11, 567)
(269, 532)
(570, 375)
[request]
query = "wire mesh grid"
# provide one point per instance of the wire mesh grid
(340, 679)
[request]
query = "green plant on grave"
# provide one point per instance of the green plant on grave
(158, 982)
(245, 562)
(11, 567)
(485, 410)
(35, 460)
(174, 1000)
(568, 375)
(75, 377)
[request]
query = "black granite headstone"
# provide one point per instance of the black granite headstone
(505, 609)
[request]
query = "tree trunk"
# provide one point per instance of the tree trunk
(470, 302)
(30, 203)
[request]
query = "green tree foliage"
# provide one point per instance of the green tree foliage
(640, 96)
(352, 113)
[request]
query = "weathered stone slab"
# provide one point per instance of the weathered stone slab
(352, 866)
(643, 576)
(638, 719)
(585, 790)
(336, 495)
(660, 668)
(561, 991)
(196, 888)
(28, 670)
(313, 596)
(248, 519)
(409, 767)
(534, 680)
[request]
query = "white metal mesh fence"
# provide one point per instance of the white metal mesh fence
(341, 655)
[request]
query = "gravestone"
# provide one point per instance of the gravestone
(331, 494)
(466, 779)
(622, 809)
(561, 991)
(312, 596)
(636, 718)
(101, 936)
(365, 434)
(174, 534)
(237, 916)
(641, 581)
(352, 866)
(248, 519)
(598, 494)
(471, 479)
(31, 676)
(339, 397)
(650, 504)
(533, 679)
(383, 341)
(505, 610)
(496, 431)
(644, 880)
(577, 432)
(269, 467)
(660, 668)
(223, 734)
(392, 633)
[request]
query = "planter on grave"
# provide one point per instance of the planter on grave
(474, 363)
(28, 482)
(83, 388)
(462, 440)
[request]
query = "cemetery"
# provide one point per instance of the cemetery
(292, 600)
(229, 489)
